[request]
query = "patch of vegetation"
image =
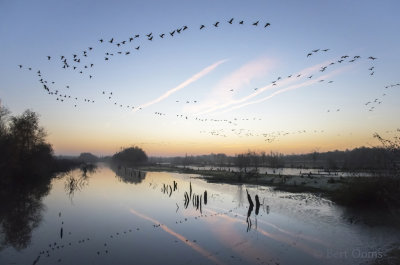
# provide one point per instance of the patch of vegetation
(130, 157)
(25, 155)
(374, 192)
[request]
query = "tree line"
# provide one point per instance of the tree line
(362, 158)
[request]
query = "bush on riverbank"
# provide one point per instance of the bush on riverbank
(376, 192)
(130, 157)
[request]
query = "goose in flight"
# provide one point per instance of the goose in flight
(372, 58)
(241, 22)
(111, 41)
(162, 35)
(230, 21)
(267, 24)
(148, 35)
(48, 57)
(216, 24)
(202, 26)
(255, 23)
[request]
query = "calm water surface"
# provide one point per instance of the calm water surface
(129, 219)
(288, 171)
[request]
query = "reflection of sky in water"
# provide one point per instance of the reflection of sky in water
(287, 171)
(109, 221)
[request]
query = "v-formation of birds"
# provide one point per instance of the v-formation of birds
(76, 63)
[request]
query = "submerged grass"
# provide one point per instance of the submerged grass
(381, 193)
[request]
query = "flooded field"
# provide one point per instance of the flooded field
(128, 217)
(287, 171)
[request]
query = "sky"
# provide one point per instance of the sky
(299, 84)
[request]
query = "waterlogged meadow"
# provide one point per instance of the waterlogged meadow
(120, 216)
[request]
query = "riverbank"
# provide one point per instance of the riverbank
(302, 183)
(356, 192)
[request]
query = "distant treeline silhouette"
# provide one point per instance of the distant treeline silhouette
(363, 158)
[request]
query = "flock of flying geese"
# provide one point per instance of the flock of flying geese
(79, 62)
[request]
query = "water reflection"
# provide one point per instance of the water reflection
(128, 174)
(20, 213)
(76, 182)
(134, 220)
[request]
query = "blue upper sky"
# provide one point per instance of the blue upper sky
(219, 89)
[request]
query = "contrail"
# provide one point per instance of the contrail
(187, 82)
(285, 81)
(292, 87)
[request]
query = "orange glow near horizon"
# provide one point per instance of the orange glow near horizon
(180, 147)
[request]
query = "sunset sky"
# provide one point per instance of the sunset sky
(213, 87)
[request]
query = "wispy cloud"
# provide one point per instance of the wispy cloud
(282, 82)
(187, 82)
(283, 90)
(233, 83)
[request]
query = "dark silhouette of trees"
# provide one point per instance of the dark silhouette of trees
(25, 154)
(88, 158)
(130, 157)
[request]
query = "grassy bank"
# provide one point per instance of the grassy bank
(357, 192)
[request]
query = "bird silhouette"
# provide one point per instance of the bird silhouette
(241, 22)
(372, 58)
(216, 24)
(162, 35)
(148, 35)
(202, 26)
(111, 41)
(267, 24)
(255, 23)
(230, 21)
(101, 40)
